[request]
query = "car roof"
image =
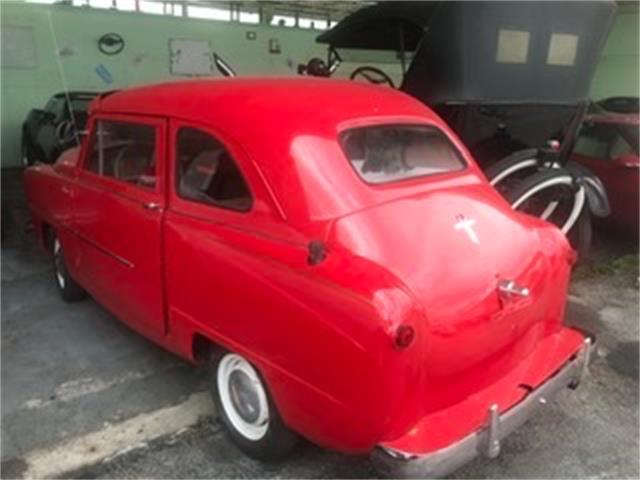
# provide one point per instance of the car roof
(289, 127)
(614, 118)
(193, 99)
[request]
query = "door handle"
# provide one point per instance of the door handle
(152, 206)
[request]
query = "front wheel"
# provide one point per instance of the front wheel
(69, 290)
(246, 409)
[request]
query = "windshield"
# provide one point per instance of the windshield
(630, 134)
(80, 104)
(388, 153)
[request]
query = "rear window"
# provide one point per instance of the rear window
(388, 153)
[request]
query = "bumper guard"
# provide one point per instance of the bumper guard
(486, 441)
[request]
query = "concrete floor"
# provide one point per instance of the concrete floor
(82, 395)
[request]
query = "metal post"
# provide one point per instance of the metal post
(401, 43)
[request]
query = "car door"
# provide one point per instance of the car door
(118, 214)
(599, 147)
(227, 245)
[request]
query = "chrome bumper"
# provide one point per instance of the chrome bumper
(486, 441)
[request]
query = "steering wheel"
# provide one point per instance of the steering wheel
(373, 75)
(65, 132)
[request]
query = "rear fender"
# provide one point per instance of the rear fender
(596, 193)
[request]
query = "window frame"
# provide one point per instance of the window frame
(175, 181)
(111, 183)
(426, 126)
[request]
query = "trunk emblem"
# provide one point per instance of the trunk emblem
(466, 224)
(509, 288)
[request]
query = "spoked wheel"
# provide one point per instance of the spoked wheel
(67, 286)
(511, 171)
(555, 195)
(551, 195)
(545, 190)
(247, 411)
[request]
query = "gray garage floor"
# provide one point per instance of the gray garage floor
(82, 395)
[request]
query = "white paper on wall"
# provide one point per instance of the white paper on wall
(190, 57)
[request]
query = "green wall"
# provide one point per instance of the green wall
(145, 58)
(619, 70)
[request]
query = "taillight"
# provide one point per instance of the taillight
(404, 336)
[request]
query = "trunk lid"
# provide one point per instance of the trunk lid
(452, 248)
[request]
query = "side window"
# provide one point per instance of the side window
(124, 151)
(513, 46)
(207, 173)
(601, 141)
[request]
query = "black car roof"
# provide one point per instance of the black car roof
(76, 94)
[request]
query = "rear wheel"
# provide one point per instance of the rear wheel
(581, 234)
(246, 409)
(511, 171)
(552, 195)
(555, 196)
(69, 290)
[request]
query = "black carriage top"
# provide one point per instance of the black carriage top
(504, 75)
(479, 51)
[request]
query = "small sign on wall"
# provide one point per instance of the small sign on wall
(190, 57)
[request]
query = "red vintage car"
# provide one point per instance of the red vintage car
(331, 251)
(608, 146)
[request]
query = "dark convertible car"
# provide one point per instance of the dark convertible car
(48, 132)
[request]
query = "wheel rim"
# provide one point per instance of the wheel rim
(243, 397)
(59, 263)
(574, 212)
(514, 168)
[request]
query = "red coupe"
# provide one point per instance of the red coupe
(608, 145)
(331, 251)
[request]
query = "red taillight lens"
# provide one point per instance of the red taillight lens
(404, 336)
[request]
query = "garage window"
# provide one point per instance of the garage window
(387, 153)
(124, 151)
(207, 173)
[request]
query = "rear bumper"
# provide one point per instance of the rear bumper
(486, 441)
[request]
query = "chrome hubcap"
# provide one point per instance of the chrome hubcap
(59, 262)
(243, 396)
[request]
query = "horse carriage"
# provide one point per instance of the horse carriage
(511, 78)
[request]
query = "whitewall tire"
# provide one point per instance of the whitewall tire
(246, 409)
